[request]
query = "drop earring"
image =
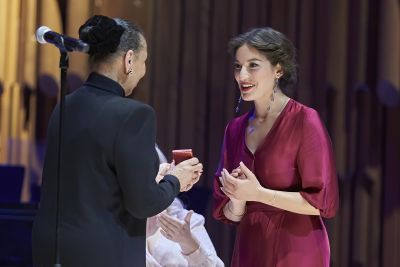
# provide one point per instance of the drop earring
(276, 84)
(272, 97)
(238, 104)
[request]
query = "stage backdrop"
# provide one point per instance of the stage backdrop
(349, 70)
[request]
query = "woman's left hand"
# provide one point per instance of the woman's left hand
(179, 231)
(244, 189)
(162, 171)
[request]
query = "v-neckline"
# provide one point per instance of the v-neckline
(274, 125)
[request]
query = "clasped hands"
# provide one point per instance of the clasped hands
(240, 185)
(188, 172)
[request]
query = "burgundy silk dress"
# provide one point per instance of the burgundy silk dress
(296, 155)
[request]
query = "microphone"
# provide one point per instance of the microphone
(65, 43)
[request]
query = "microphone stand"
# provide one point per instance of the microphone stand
(64, 63)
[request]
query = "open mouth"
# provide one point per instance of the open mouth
(246, 87)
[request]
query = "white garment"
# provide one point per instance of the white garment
(161, 251)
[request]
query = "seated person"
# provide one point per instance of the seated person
(177, 237)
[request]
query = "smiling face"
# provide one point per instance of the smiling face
(254, 73)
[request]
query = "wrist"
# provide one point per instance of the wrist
(237, 209)
(272, 198)
(189, 247)
(258, 195)
(238, 203)
(267, 196)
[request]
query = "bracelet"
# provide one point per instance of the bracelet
(273, 197)
(186, 255)
(231, 211)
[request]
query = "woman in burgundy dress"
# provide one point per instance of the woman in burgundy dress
(277, 177)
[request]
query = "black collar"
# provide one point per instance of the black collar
(104, 83)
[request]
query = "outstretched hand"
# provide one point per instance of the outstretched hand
(178, 231)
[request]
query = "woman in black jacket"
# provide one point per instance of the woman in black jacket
(108, 161)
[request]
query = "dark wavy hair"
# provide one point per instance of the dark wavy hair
(275, 46)
(107, 36)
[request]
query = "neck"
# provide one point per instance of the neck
(110, 71)
(106, 70)
(269, 105)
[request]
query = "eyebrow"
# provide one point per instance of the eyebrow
(252, 59)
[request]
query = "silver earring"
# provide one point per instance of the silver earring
(130, 72)
(276, 84)
(238, 104)
(272, 97)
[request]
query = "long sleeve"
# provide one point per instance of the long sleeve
(319, 185)
(150, 260)
(163, 252)
(136, 166)
(205, 255)
(220, 199)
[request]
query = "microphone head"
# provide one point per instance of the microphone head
(40, 32)
(84, 47)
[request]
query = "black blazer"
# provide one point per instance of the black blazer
(108, 188)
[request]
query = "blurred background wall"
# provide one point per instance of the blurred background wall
(349, 70)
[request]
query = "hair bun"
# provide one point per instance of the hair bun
(102, 34)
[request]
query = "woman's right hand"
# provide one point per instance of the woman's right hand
(237, 173)
(235, 208)
(247, 189)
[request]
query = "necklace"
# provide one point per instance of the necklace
(251, 128)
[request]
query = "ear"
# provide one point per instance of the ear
(278, 71)
(128, 60)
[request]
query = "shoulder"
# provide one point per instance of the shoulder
(129, 105)
(237, 123)
(123, 108)
(312, 126)
(307, 114)
(311, 118)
